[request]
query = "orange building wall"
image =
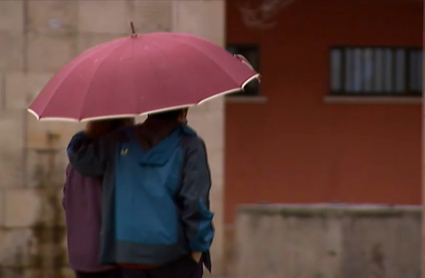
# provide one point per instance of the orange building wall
(296, 148)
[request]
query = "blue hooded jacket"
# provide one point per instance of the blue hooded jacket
(155, 203)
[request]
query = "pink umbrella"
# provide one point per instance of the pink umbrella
(141, 74)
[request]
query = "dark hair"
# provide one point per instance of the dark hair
(168, 115)
(101, 127)
(117, 123)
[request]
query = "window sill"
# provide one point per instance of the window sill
(246, 99)
(372, 100)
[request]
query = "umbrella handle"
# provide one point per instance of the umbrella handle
(133, 30)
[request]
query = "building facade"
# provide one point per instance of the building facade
(338, 115)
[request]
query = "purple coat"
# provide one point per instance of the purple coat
(82, 203)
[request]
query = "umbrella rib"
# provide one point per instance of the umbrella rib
(205, 54)
(159, 47)
(155, 70)
(94, 74)
(63, 80)
(137, 99)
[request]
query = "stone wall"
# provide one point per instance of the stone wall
(322, 241)
(36, 39)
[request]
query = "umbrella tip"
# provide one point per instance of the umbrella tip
(133, 30)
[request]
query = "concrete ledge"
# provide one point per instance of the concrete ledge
(329, 209)
(328, 241)
(372, 100)
(246, 99)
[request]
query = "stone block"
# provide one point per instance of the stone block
(49, 135)
(216, 162)
(217, 249)
(46, 167)
(15, 248)
(23, 207)
(11, 51)
(67, 273)
(105, 17)
(2, 92)
(12, 151)
(202, 18)
(89, 40)
(46, 253)
(229, 251)
(52, 16)
(20, 272)
(12, 16)
(38, 208)
(208, 121)
(50, 52)
(21, 88)
(152, 16)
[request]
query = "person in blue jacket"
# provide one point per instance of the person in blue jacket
(156, 220)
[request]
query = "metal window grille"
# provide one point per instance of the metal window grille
(376, 71)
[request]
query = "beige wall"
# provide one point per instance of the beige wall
(36, 39)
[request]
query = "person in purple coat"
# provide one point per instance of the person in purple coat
(82, 204)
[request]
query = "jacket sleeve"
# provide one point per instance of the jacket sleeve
(194, 195)
(88, 156)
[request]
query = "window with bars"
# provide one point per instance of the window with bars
(252, 53)
(376, 71)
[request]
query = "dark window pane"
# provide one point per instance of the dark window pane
(418, 71)
(400, 68)
(414, 79)
(336, 70)
(349, 66)
(368, 74)
(388, 71)
(379, 70)
(358, 80)
(376, 70)
(421, 70)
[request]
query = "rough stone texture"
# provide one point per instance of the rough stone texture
(45, 165)
(114, 19)
(328, 241)
(230, 250)
(21, 88)
(22, 208)
(11, 16)
(50, 52)
(88, 40)
(53, 17)
(15, 248)
(203, 18)
(49, 135)
(12, 148)
(12, 51)
(153, 16)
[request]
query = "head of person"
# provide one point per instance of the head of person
(102, 127)
(178, 115)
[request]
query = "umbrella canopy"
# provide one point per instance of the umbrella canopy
(141, 74)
